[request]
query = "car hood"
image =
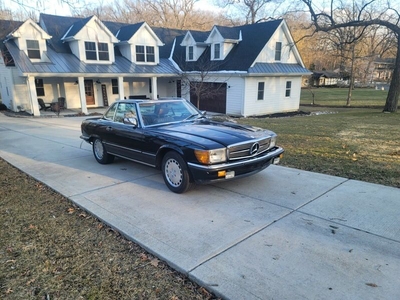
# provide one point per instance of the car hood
(211, 134)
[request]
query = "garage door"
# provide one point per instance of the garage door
(212, 96)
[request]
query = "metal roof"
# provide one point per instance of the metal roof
(278, 68)
(68, 64)
(240, 58)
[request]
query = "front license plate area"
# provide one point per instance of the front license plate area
(230, 174)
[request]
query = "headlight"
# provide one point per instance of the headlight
(208, 157)
(273, 142)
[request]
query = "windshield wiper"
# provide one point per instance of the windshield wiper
(191, 116)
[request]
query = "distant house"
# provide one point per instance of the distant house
(383, 69)
(244, 70)
(325, 78)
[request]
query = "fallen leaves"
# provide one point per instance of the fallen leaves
(154, 262)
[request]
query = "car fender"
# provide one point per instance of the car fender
(92, 137)
(164, 149)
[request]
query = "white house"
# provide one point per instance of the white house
(245, 70)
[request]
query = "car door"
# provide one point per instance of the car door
(125, 139)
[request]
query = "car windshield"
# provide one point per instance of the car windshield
(160, 112)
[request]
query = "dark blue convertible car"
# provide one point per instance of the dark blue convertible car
(175, 137)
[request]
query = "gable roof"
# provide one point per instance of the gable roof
(168, 36)
(7, 26)
(227, 33)
(57, 27)
(127, 31)
(75, 28)
(326, 74)
(253, 37)
(199, 36)
(242, 55)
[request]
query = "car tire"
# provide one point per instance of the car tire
(175, 173)
(100, 153)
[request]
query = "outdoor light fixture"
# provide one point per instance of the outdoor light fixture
(98, 81)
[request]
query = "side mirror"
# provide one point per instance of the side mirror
(131, 121)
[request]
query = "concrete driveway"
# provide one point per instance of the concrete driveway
(280, 234)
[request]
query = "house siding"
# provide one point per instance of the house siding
(20, 92)
(6, 85)
(274, 96)
(268, 53)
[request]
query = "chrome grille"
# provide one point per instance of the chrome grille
(248, 149)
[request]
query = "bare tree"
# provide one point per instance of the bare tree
(177, 14)
(367, 14)
(200, 79)
(252, 11)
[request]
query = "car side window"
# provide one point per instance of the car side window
(125, 110)
(109, 115)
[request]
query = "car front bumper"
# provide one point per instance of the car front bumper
(203, 174)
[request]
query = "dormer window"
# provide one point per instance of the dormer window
(103, 51)
(33, 49)
(278, 51)
(150, 54)
(145, 54)
(217, 51)
(91, 51)
(190, 53)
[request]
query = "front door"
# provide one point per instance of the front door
(89, 92)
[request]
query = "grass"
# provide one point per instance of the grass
(361, 97)
(50, 249)
(355, 143)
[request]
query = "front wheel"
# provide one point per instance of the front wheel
(175, 173)
(100, 153)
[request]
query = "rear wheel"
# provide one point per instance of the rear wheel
(175, 173)
(100, 153)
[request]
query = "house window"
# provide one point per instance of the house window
(145, 54)
(90, 48)
(278, 50)
(190, 53)
(140, 53)
(114, 86)
(260, 93)
(33, 48)
(217, 51)
(150, 56)
(39, 87)
(103, 51)
(288, 88)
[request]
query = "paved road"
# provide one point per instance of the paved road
(280, 234)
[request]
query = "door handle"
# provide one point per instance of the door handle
(109, 128)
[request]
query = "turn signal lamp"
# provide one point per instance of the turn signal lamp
(209, 157)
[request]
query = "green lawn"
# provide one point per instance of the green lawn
(356, 143)
(338, 97)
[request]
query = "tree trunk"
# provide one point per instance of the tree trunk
(392, 99)
(351, 84)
